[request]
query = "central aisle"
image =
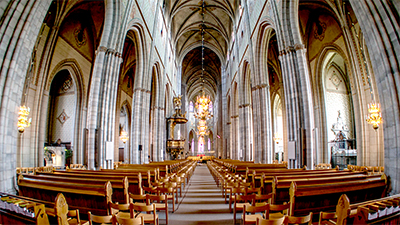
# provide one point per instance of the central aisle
(202, 202)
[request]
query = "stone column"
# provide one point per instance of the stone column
(377, 19)
(21, 21)
(262, 123)
(298, 101)
(102, 103)
(245, 131)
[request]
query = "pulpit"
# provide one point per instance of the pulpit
(175, 147)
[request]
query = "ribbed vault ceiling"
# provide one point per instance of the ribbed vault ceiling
(189, 18)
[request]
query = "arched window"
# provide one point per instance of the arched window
(209, 144)
(193, 146)
(201, 145)
(191, 108)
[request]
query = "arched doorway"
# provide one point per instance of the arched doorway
(124, 133)
(340, 131)
(278, 129)
(192, 136)
(61, 119)
(124, 100)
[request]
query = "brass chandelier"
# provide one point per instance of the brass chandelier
(203, 101)
(23, 121)
(374, 117)
(124, 136)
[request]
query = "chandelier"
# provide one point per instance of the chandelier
(124, 136)
(23, 121)
(202, 101)
(374, 117)
(202, 128)
(203, 106)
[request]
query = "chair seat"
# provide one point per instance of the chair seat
(252, 218)
(275, 215)
(124, 214)
(75, 221)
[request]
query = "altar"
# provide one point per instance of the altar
(55, 156)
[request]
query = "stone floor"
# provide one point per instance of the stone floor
(201, 203)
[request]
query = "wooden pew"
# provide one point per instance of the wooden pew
(384, 210)
(17, 210)
(134, 181)
(119, 185)
(82, 196)
(147, 175)
(281, 185)
(324, 197)
(268, 179)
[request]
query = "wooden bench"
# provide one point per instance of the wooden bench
(384, 210)
(82, 196)
(147, 175)
(281, 185)
(17, 210)
(120, 185)
(134, 181)
(324, 197)
(265, 182)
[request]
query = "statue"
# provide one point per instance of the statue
(177, 102)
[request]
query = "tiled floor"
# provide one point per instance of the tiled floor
(202, 202)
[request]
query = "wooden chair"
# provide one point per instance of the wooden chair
(116, 208)
(119, 219)
(137, 198)
(170, 192)
(252, 219)
(73, 217)
(227, 189)
(277, 221)
(278, 210)
(174, 186)
(149, 217)
(99, 219)
(149, 190)
(161, 203)
(260, 199)
(327, 218)
(240, 201)
(251, 190)
(178, 182)
(233, 191)
(298, 219)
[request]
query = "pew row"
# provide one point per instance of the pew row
(281, 185)
(134, 180)
(384, 210)
(82, 196)
(17, 210)
(324, 197)
(120, 185)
